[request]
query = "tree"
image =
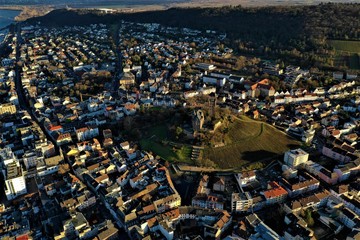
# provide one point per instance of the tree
(128, 120)
(221, 47)
(307, 215)
(187, 68)
(240, 62)
(178, 131)
(136, 59)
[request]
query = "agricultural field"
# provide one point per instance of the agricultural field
(345, 46)
(347, 53)
(249, 141)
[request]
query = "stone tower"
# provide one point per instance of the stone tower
(197, 120)
(212, 104)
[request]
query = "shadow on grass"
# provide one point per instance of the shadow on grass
(292, 145)
(292, 138)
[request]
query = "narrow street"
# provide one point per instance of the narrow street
(119, 69)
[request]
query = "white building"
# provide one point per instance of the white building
(87, 133)
(31, 158)
(245, 178)
(14, 180)
(295, 157)
(241, 202)
(217, 81)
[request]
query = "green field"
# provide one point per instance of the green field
(347, 53)
(345, 46)
(155, 140)
(249, 141)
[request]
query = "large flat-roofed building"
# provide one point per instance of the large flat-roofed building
(295, 157)
(14, 180)
(7, 108)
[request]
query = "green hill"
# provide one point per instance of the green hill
(249, 141)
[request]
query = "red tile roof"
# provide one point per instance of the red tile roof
(275, 191)
(84, 129)
(55, 128)
(23, 237)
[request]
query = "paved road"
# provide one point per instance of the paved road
(119, 69)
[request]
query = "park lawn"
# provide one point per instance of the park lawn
(153, 142)
(184, 154)
(159, 131)
(164, 151)
(250, 141)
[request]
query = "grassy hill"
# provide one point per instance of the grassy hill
(249, 141)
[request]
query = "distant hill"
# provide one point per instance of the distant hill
(188, 3)
(88, 2)
(297, 34)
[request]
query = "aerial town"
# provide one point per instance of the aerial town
(124, 132)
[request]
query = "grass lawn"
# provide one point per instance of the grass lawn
(153, 142)
(347, 53)
(249, 141)
(346, 46)
(159, 131)
(163, 151)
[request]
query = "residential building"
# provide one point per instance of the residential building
(241, 202)
(86, 133)
(219, 185)
(295, 157)
(275, 193)
(7, 108)
(210, 201)
(302, 184)
(14, 180)
(262, 231)
(349, 218)
(245, 178)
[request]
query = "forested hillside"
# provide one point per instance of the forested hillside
(295, 34)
